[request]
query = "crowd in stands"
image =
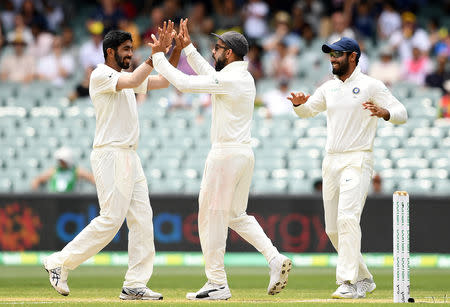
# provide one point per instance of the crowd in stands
(402, 41)
(285, 36)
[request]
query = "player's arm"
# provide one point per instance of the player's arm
(138, 76)
(194, 58)
(213, 84)
(385, 105)
(42, 178)
(157, 82)
(85, 175)
(307, 105)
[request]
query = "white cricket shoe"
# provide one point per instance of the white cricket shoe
(367, 285)
(345, 290)
(280, 266)
(142, 293)
(58, 278)
(210, 291)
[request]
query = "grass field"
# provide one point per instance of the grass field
(100, 286)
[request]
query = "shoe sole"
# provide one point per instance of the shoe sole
(135, 298)
(342, 298)
(284, 274)
(192, 297)
(62, 293)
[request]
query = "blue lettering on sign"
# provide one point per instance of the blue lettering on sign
(175, 235)
(79, 220)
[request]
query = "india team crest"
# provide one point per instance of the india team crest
(356, 90)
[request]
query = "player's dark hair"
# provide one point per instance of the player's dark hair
(113, 39)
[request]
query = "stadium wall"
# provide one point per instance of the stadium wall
(43, 222)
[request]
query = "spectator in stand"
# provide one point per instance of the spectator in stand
(227, 17)
(57, 66)
(64, 176)
(283, 32)
(444, 102)
(255, 19)
(312, 10)
(54, 15)
(109, 14)
(20, 29)
(157, 19)
(363, 20)
(19, 66)
(340, 26)
(7, 15)
(255, 66)
(91, 52)
(197, 13)
(127, 25)
(408, 36)
(82, 89)
(68, 43)
(386, 69)
(282, 64)
(275, 100)
(364, 61)
(32, 16)
(172, 10)
(418, 67)
(440, 74)
(2, 36)
(389, 21)
(442, 46)
(42, 41)
(377, 185)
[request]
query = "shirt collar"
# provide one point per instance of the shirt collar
(236, 65)
(356, 72)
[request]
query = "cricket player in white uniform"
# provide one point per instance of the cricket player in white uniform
(229, 167)
(353, 102)
(121, 185)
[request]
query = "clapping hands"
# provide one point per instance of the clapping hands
(167, 33)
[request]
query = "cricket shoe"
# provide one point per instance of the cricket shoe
(210, 291)
(345, 290)
(58, 278)
(280, 266)
(367, 285)
(142, 293)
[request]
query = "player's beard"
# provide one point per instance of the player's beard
(121, 61)
(220, 63)
(342, 67)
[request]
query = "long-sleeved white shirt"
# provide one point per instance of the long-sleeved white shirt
(349, 126)
(233, 93)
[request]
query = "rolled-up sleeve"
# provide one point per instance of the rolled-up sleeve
(216, 83)
(384, 98)
(316, 103)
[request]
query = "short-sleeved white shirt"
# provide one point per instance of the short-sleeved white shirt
(116, 115)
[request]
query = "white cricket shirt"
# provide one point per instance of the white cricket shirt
(117, 122)
(349, 126)
(233, 93)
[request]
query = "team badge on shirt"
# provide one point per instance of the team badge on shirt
(356, 90)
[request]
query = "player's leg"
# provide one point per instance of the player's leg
(213, 217)
(354, 184)
(250, 230)
(141, 247)
(113, 176)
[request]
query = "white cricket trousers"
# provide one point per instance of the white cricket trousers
(122, 193)
(346, 180)
(223, 203)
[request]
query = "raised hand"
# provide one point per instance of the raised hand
(184, 32)
(376, 110)
(157, 45)
(298, 98)
(169, 30)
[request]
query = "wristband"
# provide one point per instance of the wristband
(149, 61)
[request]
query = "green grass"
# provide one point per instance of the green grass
(100, 286)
